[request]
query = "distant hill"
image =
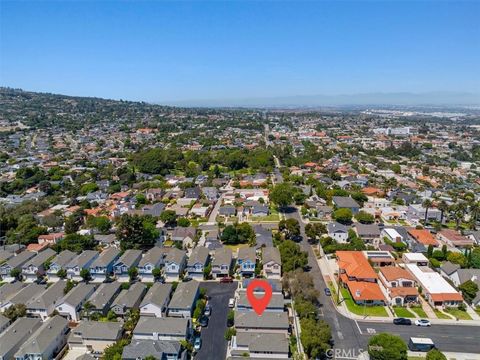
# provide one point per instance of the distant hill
(441, 98)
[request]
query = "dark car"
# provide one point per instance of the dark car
(402, 321)
(226, 279)
(203, 321)
(328, 292)
(187, 279)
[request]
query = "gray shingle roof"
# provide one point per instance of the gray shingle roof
(222, 256)
(165, 325)
(345, 202)
(40, 341)
(20, 259)
(63, 258)
(153, 256)
(27, 293)
(175, 255)
(41, 258)
(139, 349)
(48, 297)
(104, 295)
(16, 334)
(263, 342)
(84, 258)
(106, 257)
(157, 294)
(78, 294)
(99, 330)
(184, 295)
(199, 255)
(268, 320)
(130, 258)
(271, 254)
(247, 253)
(129, 298)
(7, 291)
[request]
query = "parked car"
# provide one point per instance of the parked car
(402, 321)
(328, 292)
(203, 321)
(187, 278)
(231, 303)
(422, 322)
(197, 344)
(226, 279)
(208, 310)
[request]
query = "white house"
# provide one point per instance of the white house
(156, 301)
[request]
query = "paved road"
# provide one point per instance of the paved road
(214, 345)
(351, 335)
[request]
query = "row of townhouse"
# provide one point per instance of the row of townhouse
(265, 336)
(270, 256)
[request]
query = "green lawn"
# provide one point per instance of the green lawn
(403, 312)
(441, 315)
(419, 311)
(459, 314)
(477, 310)
(235, 248)
(416, 358)
(271, 217)
(360, 309)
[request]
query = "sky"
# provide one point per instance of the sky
(169, 51)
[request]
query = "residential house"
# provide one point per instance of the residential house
(246, 260)
(127, 261)
(436, 290)
(369, 233)
(154, 194)
(260, 345)
(416, 212)
(400, 285)
(35, 267)
(165, 328)
(210, 193)
(82, 261)
(15, 262)
(272, 263)
(227, 211)
(263, 236)
(16, 335)
(222, 262)
(454, 238)
(156, 301)
(22, 296)
(415, 258)
(379, 258)
(197, 262)
(70, 305)
(58, 263)
(269, 322)
(184, 299)
(324, 212)
(338, 232)
(423, 236)
(95, 336)
(358, 276)
(50, 239)
(159, 349)
(448, 269)
(276, 303)
(46, 342)
(43, 304)
(175, 262)
(102, 266)
(185, 235)
(346, 202)
(392, 235)
(9, 290)
(103, 297)
(129, 299)
(460, 276)
(153, 259)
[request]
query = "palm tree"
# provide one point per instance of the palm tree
(474, 213)
(442, 206)
(459, 213)
(427, 204)
(87, 308)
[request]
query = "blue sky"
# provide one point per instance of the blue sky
(168, 51)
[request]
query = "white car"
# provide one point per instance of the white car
(231, 303)
(422, 322)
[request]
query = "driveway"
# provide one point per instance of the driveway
(214, 345)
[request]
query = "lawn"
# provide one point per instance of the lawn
(235, 248)
(168, 243)
(441, 315)
(459, 314)
(477, 309)
(419, 311)
(403, 312)
(360, 309)
(271, 217)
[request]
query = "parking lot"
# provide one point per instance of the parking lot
(214, 345)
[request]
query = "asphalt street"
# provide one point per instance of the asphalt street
(214, 345)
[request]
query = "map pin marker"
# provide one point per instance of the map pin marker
(259, 304)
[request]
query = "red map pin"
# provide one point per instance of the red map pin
(259, 304)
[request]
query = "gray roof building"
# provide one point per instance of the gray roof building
(261, 343)
(86, 257)
(129, 299)
(63, 258)
(7, 291)
(16, 262)
(106, 258)
(47, 340)
(199, 255)
(40, 259)
(130, 258)
(223, 256)
(15, 335)
(159, 349)
(27, 293)
(103, 297)
(97, 330)
(271, 254)
(184, 297)
(269, 321)
(158, 294)
(345, 202)
(47, 299)
(164, 327)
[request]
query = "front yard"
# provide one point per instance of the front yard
(459, 314)
(419, 311)
(360, 309)
(403, 312)
(441, 315)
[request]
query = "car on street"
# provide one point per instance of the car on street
(402, 321)
(231, 303)
(208, 310)
(197, 344)
(422, 322)
(328, 292)
(203, 321)
(226, 279)
(187, 279)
